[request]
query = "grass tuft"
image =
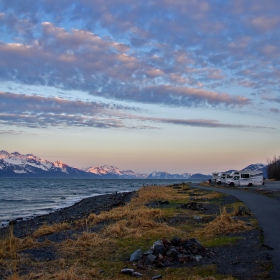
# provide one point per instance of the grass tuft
(224, 224)
(48, 229)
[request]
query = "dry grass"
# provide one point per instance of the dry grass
(125, 212)
(127, 227)
(72, 273)
(135, 219)
(48, 229)
(223, 224)
(148, 194)
(88, 244)
(209, 278)
(205, 184)
(137, 228)
(213, 195)
(9, 246)
(14, 277)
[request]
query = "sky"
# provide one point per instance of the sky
(155, 85)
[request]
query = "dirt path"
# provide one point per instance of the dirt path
(267, 212)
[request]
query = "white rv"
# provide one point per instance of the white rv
(246, 178)
(223, 177)
(215, 176)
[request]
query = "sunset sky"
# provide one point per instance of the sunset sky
(165, 85)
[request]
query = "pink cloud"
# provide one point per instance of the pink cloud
(265, 23)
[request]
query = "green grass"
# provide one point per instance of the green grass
(220, 241)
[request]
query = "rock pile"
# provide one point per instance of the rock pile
(166, 252)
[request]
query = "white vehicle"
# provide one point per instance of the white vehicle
(215, 176)
(246, 178)
(223, 177)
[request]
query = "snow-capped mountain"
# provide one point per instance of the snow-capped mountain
(16, 164)
(165, 175)
(258, 166)
(29, 165)
(254, 167)
(114, 172)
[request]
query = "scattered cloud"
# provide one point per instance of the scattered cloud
(193, 54)
(275, 110)
(180, 96)
(272, 99)
(13, 132)
(38, 111)
(208, 123)
(42, 112)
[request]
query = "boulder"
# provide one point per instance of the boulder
(136, 256)
(159, 249)
(150, 259)
(172, 253)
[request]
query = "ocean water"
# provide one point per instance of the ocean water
(26, 198)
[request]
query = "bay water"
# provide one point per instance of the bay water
(26, 198)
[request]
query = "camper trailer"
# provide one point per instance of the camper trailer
(223, 177)
(246, 178)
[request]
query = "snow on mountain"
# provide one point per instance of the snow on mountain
(113, 172)
(31, 165)
(105, 169)
(254, 167)
(3, 154)
(165, 175)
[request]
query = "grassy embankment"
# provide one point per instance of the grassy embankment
(101, 249)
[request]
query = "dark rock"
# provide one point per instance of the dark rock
(175, 241)
(127, 271)
(159, 249)
(150, 259)
(136, 256)
(156, 277)
(165, 241)
(136, 274)
(148, 252)
(172, 253)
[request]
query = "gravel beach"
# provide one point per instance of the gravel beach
(81, 209)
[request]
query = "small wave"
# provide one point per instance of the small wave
(12, 200)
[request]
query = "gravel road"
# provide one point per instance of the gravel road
(267, 212)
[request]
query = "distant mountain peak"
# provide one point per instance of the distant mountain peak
(254, 167)
(166, 175)
(29, 165)
(59, 163)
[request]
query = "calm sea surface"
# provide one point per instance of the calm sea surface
(25, 198)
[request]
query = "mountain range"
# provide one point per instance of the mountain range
(30, 166)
